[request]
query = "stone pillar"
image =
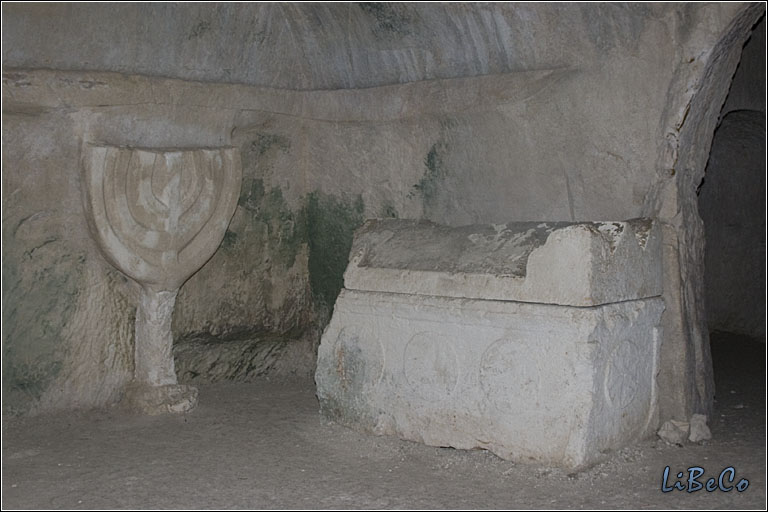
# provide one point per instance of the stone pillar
(154, 340)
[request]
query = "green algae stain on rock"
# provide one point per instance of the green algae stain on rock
(261, 147)
(200, 29)
(330, 222)
(284, 226)
(263, 142)
(271, 222)
(42, 278)
(251, 195)
(253, 274)
(388, 210)
(325, 224)
(428, 186)
(389, 19)
(258, 275)
(229, 240)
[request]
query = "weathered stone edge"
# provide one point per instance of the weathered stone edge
(73, 89)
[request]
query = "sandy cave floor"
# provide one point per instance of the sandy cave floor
(264, 445)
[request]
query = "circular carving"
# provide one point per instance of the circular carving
(358, 360)
(430, 366)
(620, 384)
(509, 376)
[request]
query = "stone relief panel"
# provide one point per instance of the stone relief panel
(158, 215)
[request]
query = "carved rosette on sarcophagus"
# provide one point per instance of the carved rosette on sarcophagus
(158, 215)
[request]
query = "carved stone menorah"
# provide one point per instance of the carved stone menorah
(158, 215)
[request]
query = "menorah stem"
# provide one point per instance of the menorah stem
(154, 389)
(154, 339)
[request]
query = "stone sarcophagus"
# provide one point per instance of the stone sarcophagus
(158, 215)
(536, 341)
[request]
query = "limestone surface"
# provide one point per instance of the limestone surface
(699, 430)
(158, 216)
(556, 384)
(674, 431)
(155, 400)
(456, 113)
(576, 264)
(537, 341)
(249, 356)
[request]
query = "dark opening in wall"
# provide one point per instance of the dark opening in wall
(732, 201)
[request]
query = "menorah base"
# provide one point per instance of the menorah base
(154, 400)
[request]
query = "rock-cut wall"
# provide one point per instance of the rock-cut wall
(455, 113)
